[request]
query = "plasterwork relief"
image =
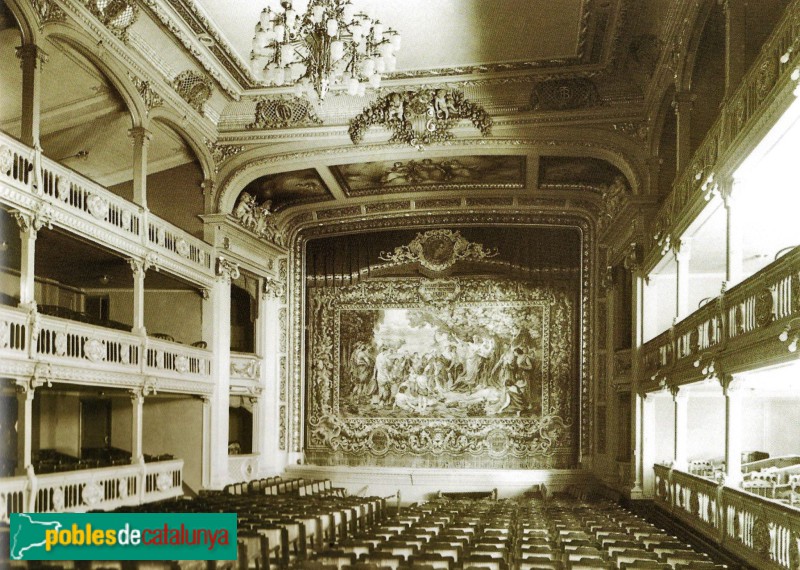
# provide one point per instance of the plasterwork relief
(473, 372)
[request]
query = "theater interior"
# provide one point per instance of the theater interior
(440, 284)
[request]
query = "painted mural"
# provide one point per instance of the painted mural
(472, 171)
(284, 189)
(479, 372)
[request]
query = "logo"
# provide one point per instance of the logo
(123, 536)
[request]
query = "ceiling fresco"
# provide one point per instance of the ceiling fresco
(286, 189)
(570, 170)
(458, 172)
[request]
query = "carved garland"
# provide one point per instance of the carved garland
(420, 117)
(438, 250)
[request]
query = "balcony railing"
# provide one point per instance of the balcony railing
(761, 531)
(738, 116)
(33, 180)
(57, 341)
(771, 295)
(105, 489)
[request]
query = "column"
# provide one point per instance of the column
(648, 444)
(217, 312)
(141, 140)
(25, 392)
(683, 254)
(637, 492)
(272, 461)
(637, 332)
(680, 455)
(137, 413)
(734, 233)
(206, 458)
(139, 269)
(733, 391)
(683, 111)
(735, 33)
(32, 59)
(29, 226)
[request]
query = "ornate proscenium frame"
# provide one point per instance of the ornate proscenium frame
(303, 231)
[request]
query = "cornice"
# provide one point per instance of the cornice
(191, 45)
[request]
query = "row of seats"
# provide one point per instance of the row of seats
(521, 535)
(326, 532)
(280, 486)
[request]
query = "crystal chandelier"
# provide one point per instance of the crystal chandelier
(326, 44)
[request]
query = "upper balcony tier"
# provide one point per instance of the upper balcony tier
(55, 195)
(753, 324)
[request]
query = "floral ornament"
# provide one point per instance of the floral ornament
(163, 481)
(420, 117)
(92, 493)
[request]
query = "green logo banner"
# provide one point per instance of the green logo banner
(123, 536)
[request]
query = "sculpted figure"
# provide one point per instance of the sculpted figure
(443, 104)
(395, 108)
(244, 211)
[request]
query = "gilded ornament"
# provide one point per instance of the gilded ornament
(420, 117)
(438, 250)
(63, 187)
(58, 499)
(764, 303)
(761, 537)
(284, 112)
(117, 15)
(564, 94)
(195, 88)
(257, 218)
(182, 248)
(61, 343)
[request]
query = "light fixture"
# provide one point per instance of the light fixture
(321, 44)
(104, 279)
(786, 336)
(709, 368)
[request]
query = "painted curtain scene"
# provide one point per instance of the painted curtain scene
(443, 350)
(462, 361)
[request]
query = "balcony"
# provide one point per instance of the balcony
(760, 531)
(36, 184)
(40, 345)
(104, 489)
(742, 325)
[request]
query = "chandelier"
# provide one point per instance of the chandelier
(325, 44)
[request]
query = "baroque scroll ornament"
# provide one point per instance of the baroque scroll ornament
(420, 117)
(438, 250)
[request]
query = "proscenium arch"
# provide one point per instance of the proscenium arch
(295, 423)
(77, 40)
(253, 165)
